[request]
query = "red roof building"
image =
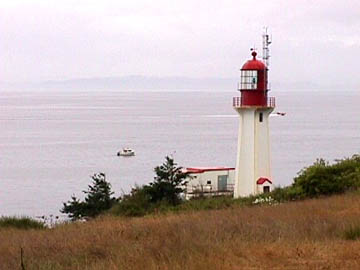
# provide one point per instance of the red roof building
(263, 180)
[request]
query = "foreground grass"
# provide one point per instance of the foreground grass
(308, 234)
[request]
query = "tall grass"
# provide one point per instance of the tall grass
(305, 234)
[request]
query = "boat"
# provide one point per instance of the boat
(126, 152)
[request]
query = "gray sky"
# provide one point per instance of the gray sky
(317, 41)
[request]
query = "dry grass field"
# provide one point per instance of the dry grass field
(298, 235)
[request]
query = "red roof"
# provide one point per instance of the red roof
(262, 180)
(207, 169)
(253, 64)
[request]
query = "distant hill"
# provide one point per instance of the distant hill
(137, 82)
(129, 83)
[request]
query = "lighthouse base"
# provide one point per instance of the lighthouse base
(253, 174)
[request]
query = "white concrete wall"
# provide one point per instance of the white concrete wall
(262, 145)
(260, 188)
(253, 156)
(245, 162)
(200, 179)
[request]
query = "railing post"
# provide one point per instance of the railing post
(271, 102)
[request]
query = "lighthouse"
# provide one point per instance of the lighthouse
(253, 169)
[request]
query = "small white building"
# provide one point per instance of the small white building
(210, 181)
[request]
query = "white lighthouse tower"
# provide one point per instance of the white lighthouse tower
(253, 172)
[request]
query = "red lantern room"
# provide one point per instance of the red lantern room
(253, 84)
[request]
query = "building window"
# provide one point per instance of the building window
(266, 189)
(260, 117)
(208, 182)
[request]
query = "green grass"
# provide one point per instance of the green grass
(137, 207)
(213, 203)
(24, 223)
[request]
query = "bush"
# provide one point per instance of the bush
(135, 204)
(324, 179)
(159, 196)
(289, 193)
(98, 199)
(24, 223)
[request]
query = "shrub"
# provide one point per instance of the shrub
(289, 193)
(135, 204)
(321, 178)
(24, 223)
(159, 196)
(98, 199)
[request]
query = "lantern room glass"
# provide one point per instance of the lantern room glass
(249, 79)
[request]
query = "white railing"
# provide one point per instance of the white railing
(208, 191)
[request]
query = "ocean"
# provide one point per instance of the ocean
(51, 142)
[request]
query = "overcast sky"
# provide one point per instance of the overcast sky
(317, 41)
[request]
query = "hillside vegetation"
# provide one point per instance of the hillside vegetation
(319, 179)
(164, 193)
(310, 234)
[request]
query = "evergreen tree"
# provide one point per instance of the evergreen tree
(97, 200)
(168, 183)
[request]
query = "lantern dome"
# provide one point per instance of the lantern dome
(253, 84)
(254, 64)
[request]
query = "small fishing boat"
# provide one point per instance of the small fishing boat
(126, 152)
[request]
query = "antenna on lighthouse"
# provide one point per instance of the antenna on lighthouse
(266, 42)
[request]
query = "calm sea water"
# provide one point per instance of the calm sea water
(51, 142)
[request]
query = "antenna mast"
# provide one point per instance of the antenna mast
(266, 42)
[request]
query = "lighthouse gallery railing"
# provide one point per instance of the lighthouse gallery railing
(238, 102)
